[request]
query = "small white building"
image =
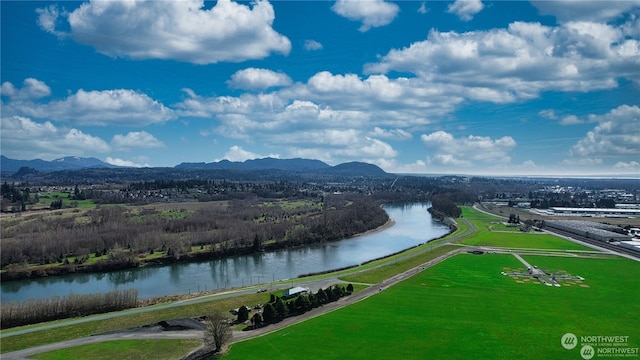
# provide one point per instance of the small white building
(295, 291)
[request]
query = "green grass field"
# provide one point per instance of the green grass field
(463, 309)
(513, 238)
(522, 240)
(126, 349)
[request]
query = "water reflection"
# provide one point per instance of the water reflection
(413, 226)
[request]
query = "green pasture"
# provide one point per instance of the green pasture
(522, 240)
(126, 349)
(463, 308)
(46, 198)
(511, 238)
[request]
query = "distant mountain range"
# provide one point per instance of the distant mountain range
(65, 163)
(297, 165)
(288, 165)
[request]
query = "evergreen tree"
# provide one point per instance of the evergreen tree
(243, 314)
(268, 312)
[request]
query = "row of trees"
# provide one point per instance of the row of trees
(61, 307)
(218, 331)
(279, 308)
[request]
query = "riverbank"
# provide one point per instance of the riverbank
(130, 261)
(412, 226)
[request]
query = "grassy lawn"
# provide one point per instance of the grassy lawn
(462, 309)
(126, 349)
(522, 240)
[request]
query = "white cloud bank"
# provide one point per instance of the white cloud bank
(617, 134)
(580, 10)
(178, 30)
(519, 62)
(95, 107)
(24, 138)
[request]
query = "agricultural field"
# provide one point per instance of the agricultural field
(464, 308)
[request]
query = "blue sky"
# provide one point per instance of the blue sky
(464, 87)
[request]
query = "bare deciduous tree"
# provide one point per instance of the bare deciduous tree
(218, 331)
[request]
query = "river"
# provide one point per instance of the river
(413, 226)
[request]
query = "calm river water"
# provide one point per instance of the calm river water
(413, 226)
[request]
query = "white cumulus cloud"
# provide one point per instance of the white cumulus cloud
(519, 62)
(177, 30)
(372, 13)
(95, 107)
(465, 9)
(617, 134)
(27, 139)
(258, 79)
(31, 89)
(467, 151)
(136, 139)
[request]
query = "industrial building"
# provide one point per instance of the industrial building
(595, 211)
(590, 229)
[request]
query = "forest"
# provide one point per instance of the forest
(114, 237)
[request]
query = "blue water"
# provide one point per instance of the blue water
(413, 226)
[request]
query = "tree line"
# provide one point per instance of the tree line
(120, 236)
(60, 307)
(279, 308)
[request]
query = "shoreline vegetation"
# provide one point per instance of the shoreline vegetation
(117, 238)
